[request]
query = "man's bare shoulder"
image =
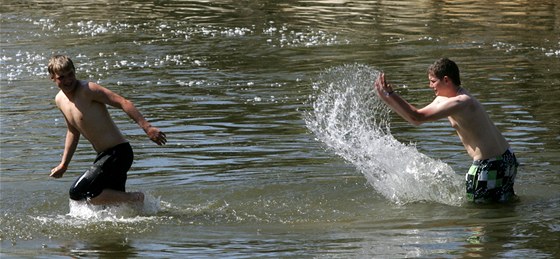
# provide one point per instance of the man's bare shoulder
(82, 92)
(59, 96)
(455, 101)
(469, 101)
(90, 90)
(97, 92)
(94, 87)
(470, 108)
(87, 86)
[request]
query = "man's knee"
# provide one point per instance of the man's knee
(76, 194)
(85, 186)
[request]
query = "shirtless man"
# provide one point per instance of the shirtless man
(492, 174)
(83, 105)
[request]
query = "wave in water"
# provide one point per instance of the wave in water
(353, 122)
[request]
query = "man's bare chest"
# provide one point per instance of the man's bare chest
(82, 113)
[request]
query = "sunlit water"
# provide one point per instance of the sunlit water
(278, 146)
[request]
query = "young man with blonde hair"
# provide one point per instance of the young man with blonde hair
(492, 173)
(83, 105)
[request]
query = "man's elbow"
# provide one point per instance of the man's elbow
(126, 105)
(416, 120)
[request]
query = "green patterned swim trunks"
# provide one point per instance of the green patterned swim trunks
(491, 180)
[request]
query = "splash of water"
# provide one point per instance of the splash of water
(352, 121)
(122, 212)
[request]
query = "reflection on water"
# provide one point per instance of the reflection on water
(242, 175)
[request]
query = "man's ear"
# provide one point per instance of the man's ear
(446, 80)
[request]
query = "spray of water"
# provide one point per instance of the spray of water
(353, 122)
(83, 210)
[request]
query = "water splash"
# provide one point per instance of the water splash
(353, 122)
(88, 220)
(123, 212)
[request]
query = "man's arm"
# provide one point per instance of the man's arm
(440, 108)
(104, 95)
(70, 144)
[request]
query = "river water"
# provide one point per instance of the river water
(277, 145)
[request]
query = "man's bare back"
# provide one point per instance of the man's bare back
(479, 135)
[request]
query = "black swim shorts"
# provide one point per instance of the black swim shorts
(107, 172)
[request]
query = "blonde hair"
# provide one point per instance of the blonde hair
(59, 64)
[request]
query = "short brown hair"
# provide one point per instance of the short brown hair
(59, 64)
(445, 67)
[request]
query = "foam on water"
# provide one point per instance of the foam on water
(353, 122)
(85, 219)
(122, 212)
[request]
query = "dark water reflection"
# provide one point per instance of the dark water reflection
(242, 176)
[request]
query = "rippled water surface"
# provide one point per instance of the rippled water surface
(277, 145)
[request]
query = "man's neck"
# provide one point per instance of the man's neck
(70, 92)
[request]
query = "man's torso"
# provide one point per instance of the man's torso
(90, 118)
(479, 135)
